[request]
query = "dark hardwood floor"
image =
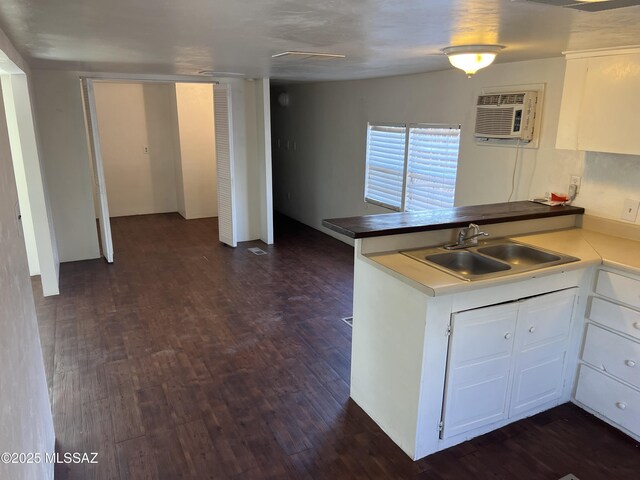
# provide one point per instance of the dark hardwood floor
(189, 359)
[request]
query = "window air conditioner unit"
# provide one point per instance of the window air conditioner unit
(506, 116)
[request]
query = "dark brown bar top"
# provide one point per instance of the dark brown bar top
(396, 223)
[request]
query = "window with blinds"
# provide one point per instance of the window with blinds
(386, 151)
(411, 167)
(432, 164)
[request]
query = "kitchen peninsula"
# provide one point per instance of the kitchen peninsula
(436, 359)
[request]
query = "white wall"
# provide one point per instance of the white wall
(130, 117)
(33, 194)
(196, 152)
(263, 128)
(25, 416)
(65, 154)
(39, 234)
(63, 142)
(607, 180)
(246, 160)
(20, 176)
(321, 174)
(175, 130)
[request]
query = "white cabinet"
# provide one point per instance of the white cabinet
(543, 330)
(609, 380)
(498, 352)
(478, 377)
(600, 102)
(614, 401)
(505, 360)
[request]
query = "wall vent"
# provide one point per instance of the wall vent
(295, 55)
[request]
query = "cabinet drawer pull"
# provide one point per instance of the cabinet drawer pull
(532, 329)
(630, 363)
(621, 405)
(636, 325)
(507, 335)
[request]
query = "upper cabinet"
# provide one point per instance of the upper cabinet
(601, 101)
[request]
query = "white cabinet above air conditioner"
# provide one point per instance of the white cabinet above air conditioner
(506, 116)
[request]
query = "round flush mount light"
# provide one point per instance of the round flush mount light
(471, 58)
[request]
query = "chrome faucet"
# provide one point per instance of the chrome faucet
(467, 237)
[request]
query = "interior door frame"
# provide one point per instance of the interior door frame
(223, 121)
(93, 140)
(95, 155)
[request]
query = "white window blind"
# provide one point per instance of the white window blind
(384, 182)
(432, 163)
(411, 167)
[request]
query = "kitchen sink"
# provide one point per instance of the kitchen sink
(494, 258)
(516, 254)
(467, 263)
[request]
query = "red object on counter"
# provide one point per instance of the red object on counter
(559, 198)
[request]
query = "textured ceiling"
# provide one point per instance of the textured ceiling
(379, 37)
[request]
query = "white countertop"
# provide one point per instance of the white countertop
(592, 248)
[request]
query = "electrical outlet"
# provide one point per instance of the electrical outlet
(576, 180)
(145, 149)
(630, 210)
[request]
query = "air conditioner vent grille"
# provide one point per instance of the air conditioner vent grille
(491, 122)
(501, 99)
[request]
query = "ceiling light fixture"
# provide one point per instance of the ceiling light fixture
(472, 58)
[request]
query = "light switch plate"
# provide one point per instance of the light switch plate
(630, 210)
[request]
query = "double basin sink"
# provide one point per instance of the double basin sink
(491, 259)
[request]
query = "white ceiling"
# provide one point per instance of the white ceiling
(379, 37)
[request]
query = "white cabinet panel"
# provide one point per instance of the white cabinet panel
(505, 360)
(614, 400)
(613, 354)
(541, 344)
(478, 374)
(617, 317)
(619, 287)
(608, 116)
(599, 103)
(611, 357)
(574, 78)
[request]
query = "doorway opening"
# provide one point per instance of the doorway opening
(158, 147)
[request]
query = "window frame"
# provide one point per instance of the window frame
(404, 170)
(407, 127)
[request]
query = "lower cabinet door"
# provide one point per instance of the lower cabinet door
(543, 329)
(478, 371)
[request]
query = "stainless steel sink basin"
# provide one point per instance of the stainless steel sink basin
(467, 263)
(516, 254)
(495, 258)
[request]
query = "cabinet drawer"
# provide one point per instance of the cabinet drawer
(618, 402)
(612, 353)
(617, 317)
(618, 287)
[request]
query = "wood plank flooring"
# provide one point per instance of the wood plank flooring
(189, 359)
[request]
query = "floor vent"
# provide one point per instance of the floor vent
(257, 251)
(348, 321)
(570, 476)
